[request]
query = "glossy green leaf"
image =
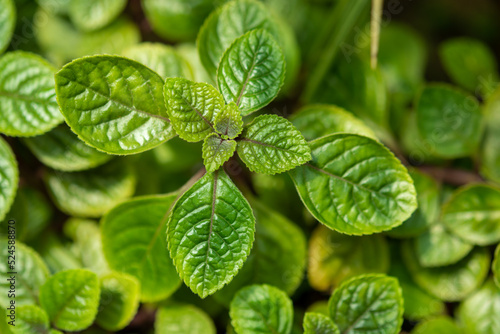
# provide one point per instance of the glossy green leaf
(317, 323)
(7, 22)
(368, 304)
(278, 256)
(271, 144)
(355, 185)
(437, 325)
(62, 42)
(61, 149)
(453, 282)
(190, 54)
(71, 299)
(439, 247)
(177, 20)
(428, 191)
(216, 151)
(210, 233)
(31, 274)
(91, 193)
(418, 304)
(59, 7)
(161, 58)
(473, 214)
(229, 123)
(449, 121)
(27, 96)
(480, 312)
(118, 302)
(251, 71)
(335, 257)
(9, 177)
(192, 107)
(31, 319)
(94, 14)
(87, 245)
(468, 62)
(114, 104)
(226, 24)
(180, 319)
(496, 266)
(318, 120)
(56, 253)
(261, 309)
(133, 237)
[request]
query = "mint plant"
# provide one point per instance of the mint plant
(244, 166)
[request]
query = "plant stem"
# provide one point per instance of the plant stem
(376, 20)
(344, 16)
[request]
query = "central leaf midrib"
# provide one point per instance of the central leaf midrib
(212, 213)
(197, 111)
(68, 301)
(27, 98)
(347, 181)
(120, 103)
(256, 142)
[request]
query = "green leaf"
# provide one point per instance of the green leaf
(181, 319)
(177, 20)
(368, 304)
(56, 253)
(4, 326)
(468, 62)
(161, 58)
(92, 15)
(31, 211)
(236, 18)
(439, 247)
(61, 149)
(9, 177)
(335, 257)
(453, 282)
(428, 191)
(62, 42)
(490, 151)
(353, 85)
(27, 96)
(216, 151)
(71, 299)
(480, 312)
(91, 193)
(31, 274)
(496, 266)
(7, 23)
(418, 304)
(355, 185)
(449, 121)
(87, 245)
(192, 107)
(31, 319)
(118, 302)
(261, 309)
(114, 104)
(278, 256)
(437, 325)
(317, 323)
(210, 233)
(229, 123)
(271, 144)
(318, 120)
(473, 214)
(402, 60)
(251, 71)
(134, 243)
